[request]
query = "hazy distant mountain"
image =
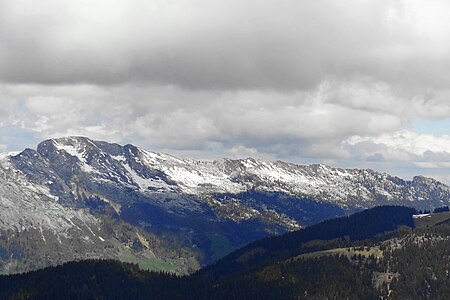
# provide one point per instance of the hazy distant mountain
(77, 198)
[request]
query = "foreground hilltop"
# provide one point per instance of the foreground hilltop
(93, 199)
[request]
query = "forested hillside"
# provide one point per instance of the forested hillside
(355, 257)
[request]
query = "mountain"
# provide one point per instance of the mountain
(74, 198)
(380, 253)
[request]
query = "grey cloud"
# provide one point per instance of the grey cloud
(376, 157)
(215, 45)
(168, 117)
(437, 156)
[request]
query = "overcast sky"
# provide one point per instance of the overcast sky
(362, 83)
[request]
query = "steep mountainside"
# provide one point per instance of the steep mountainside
(95, 199)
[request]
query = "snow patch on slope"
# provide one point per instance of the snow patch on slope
(145, 184)
(192, 176)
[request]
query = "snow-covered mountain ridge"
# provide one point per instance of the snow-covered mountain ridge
(151, 173)
(87, 195)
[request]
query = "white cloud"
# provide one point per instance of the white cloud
(418, 153)
(408, 141)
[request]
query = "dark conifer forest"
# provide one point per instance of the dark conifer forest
(376, 254)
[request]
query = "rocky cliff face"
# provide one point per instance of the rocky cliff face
(74, 198)
(38, 228)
